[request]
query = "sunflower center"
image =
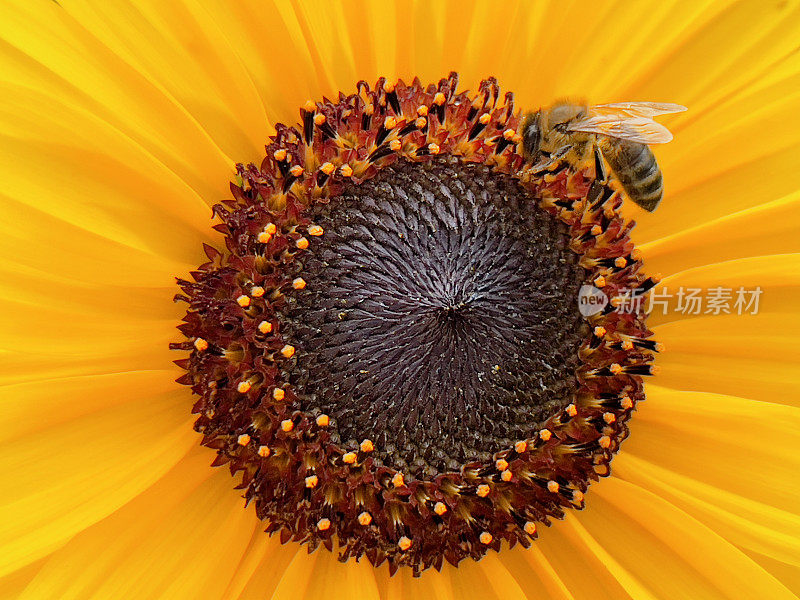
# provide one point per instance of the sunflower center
(439, 318)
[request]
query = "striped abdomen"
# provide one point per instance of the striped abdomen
(636, 169)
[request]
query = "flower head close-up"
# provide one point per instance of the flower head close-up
(352, 300)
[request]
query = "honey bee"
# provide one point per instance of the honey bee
(619, 133)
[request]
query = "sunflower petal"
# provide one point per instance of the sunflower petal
(731, 464)
(321, 575)
(64, 477)
(179, 539)
(662, 550)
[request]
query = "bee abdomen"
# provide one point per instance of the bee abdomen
(637, 170)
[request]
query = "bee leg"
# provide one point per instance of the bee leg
(600, 173)
(556, 164)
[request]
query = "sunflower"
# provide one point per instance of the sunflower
(123, 125)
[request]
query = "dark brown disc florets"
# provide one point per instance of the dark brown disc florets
(389, 347)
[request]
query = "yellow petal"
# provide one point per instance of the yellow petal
(489, 578)
(661, 552)
(321, 575)
(71, 165)
(787, 574)
(760, 230)
(749, 355)
(402, 585)
(90, 330)
(255, 577)
(89, 76)
(63, 478)
(733, 460)
(13, 584)
(182, 538)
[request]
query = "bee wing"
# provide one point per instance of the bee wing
(638, 109)
(635, 129)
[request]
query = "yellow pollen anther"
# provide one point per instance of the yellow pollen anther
(620, 262)
(626, 402)
(369, 109)
(609, 417)
(309, 106)
(604, 441)
(302, 243)
(349, 457)
(364, 519)
(398, 480)
(486, 538)
(627, 345)
(288, 351)
(346, 171)
(553, 486)
(395, 145)
(615, 368)
(420, 122)
(243, 301)
(572, 410)
(388, 87)
(296, 171)
(439, 99)
(323, 524)
(599, 331)
(278, 394)
(201, 344)
(654, 369)
(299, 283)
(483, 490)
(280, 155)
(506, 475)
(264, 451)
(545, 434)
(243, 387)
(390, 123)
(367, 446)
(439, 508)
(287, 425)
(508, 134)
(312, 481)
(600, 281)
(265, 327)
(433, 148)
(319, 119)
(404, 543)
(315, 230)
(501, 464)
(660, 347)
(485, 118)
(264, 237)
(577, 496)
(422, 111)
(323, 420)
(596, 230)
(256, 291)
(530, 527)
(521, 447)
(270, 228)
(243, 440)
(327, 168)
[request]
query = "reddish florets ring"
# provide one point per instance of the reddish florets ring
(305, 484)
